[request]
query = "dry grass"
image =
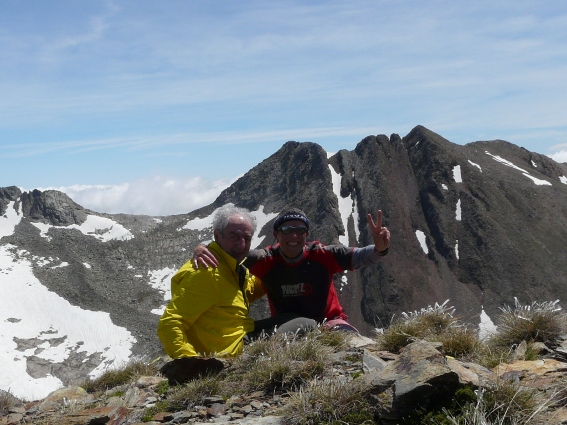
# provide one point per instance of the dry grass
(301, 368)
(119, 376)
(434, 323)
(518, 329)
(282, 361)
(537, 322)
(328, 402)
(7, 401)
(506, 404)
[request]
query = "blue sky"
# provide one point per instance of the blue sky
(153, 107)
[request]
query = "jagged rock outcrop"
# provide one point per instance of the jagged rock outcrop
(297, 175)
(52, 206)
(485, 212)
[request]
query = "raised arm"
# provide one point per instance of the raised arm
(202, 256)
(380, 235)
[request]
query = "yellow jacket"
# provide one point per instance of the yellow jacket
(207, 314)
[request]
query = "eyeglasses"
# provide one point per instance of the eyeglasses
(300, 230)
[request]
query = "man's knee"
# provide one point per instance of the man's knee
(298, 325)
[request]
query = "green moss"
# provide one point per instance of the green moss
(162, 388)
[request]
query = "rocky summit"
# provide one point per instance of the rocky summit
(479, 224)
(415, 380)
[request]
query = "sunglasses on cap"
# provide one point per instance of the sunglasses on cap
(300, 230)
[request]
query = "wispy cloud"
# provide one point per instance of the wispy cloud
(171, 140)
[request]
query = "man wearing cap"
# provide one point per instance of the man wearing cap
(298, 275)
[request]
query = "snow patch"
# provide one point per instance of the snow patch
(457, 249)
(348, 207)
(458, 210)
(563, 179)
(31, 312)
(200, 224)
(457, 174)
(160, 280)
(42, 261)
(538, 182)
(102, 228)
(485, 328)
(10, 219)
(261, 219)
(475, 165)
(422, 240)
(444, 186)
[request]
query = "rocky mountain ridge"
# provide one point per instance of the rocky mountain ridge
(478, 224)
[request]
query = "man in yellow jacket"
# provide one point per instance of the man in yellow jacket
(208, 312)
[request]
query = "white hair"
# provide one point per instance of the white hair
(224, 213)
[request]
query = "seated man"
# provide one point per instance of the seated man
(208, 311)
(298, 275)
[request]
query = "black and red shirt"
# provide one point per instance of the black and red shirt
(303, 286)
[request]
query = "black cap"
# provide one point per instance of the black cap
(291, 214)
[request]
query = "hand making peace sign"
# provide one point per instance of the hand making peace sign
(380, 235)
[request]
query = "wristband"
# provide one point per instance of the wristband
(381, 253)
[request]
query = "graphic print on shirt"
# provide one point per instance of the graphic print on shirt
(298, 290)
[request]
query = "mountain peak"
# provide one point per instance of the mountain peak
(478, 224)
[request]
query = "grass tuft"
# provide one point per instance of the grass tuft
(434, 323)
(282, 361)
(537, 322)
(328, 402)
(7, 401)
(120, 376)
(507, 403)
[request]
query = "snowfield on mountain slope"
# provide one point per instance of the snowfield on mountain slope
(37, 322)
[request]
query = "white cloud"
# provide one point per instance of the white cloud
(559, 156)
(151, 196)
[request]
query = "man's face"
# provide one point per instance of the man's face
(236, 237)
(292, 243)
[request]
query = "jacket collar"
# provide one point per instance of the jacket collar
(222, 256)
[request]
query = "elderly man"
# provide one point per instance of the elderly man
(298, 275)
(208, 312)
